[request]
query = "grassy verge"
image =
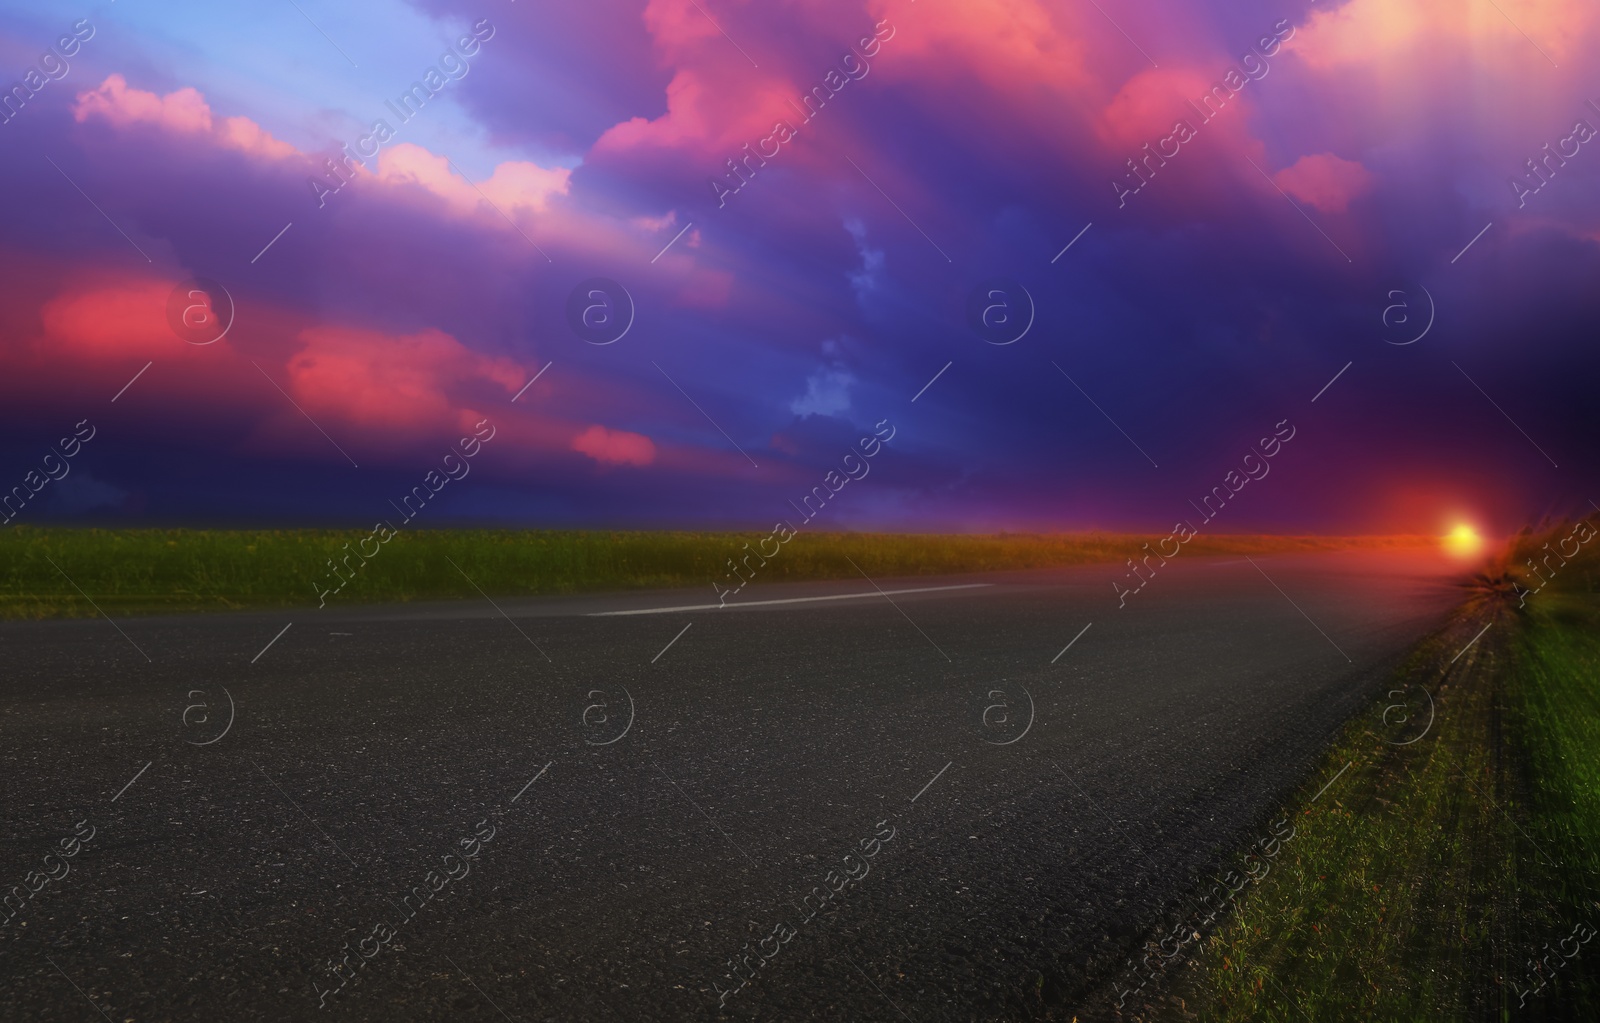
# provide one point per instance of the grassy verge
(1435, 879)
(148, 570)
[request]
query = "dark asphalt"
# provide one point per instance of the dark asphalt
(766, 746)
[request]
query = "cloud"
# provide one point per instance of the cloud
(183, 111)
(410, 302)
(827, 393)
(1010, 44)
(1379, 33)
(107, 319)
(870, 277)
(1325, 181)
(1150, 103)
(398, 382)
(515, 185)
(615, 447)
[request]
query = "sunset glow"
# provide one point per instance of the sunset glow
(1463, 542)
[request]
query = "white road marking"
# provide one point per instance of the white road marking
(786, 600)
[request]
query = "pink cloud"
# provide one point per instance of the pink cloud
(615, 447)
(184, 111)
(1325, 181)
(1389, 39)
(247, 136)
(702, 117)
(1011, 45)
(381, 395)
(1149, 104)
(110, 319)
(514, 185)
(373, 378)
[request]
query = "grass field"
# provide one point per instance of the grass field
(150, 570)
(1443, 878)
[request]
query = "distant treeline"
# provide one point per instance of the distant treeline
(148, 570)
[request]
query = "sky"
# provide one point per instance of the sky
(1078, 257)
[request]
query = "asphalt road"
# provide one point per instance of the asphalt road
(617, 807)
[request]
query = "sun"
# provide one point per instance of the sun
(1463, 541)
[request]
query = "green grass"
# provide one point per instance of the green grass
(1421, 884)
(150, 570)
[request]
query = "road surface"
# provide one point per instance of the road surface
(961, 803)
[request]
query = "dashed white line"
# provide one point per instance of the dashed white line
(785, 600)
